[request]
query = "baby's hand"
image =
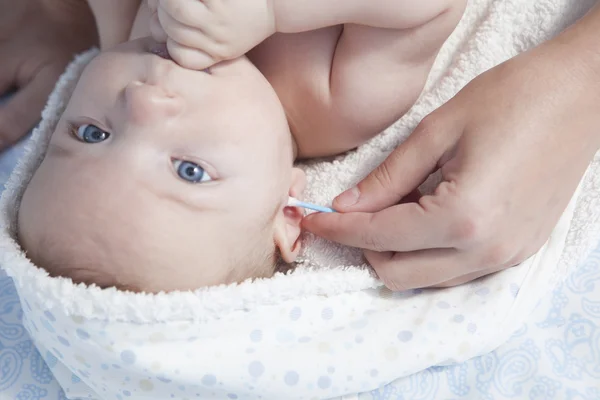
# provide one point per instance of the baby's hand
(200, 33)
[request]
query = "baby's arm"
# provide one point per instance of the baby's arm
(292, 16)
(114, 19)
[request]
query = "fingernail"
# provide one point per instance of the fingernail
(349, 197)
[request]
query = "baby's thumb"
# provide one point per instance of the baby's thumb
(189, 57)
(401, 173)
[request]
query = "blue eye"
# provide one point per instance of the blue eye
(191, 172)
(91, 134)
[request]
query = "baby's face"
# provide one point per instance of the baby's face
(161, 178)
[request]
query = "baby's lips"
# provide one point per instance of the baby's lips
(160, 49)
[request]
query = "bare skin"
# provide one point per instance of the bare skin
(319, 77)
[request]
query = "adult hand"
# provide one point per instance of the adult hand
(511, 146)
(38, 38)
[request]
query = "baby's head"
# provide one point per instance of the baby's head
(159, 178)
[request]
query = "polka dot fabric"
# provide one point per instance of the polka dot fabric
(317, 349)
(311, 348)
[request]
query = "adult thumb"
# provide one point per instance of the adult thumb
(401, 173)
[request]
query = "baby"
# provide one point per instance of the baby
(161, 178)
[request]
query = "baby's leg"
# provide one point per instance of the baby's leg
(141, 25)
(378, 74)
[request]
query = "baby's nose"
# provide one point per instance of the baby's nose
(147, 104)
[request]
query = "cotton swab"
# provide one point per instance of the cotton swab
(292, 201)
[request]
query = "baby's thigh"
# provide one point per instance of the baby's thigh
(390, 49)
(141, 24)
(386, 69)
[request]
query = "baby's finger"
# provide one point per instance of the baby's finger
(184, 35)
(418, 269)
(187, 12)
(188, 57)
(156, 30)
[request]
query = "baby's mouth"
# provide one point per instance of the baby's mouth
(160, 49)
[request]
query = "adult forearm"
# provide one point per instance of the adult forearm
(581, 41)
(576, 53)
(298, 16)
(114, 19)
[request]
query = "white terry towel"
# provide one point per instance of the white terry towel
(327, 329)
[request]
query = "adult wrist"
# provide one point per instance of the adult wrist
(579, 44)
(563, 74)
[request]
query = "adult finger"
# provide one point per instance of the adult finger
(404, 227)
(23, 109)
(418, 269)
(189, 57)
(402, 171)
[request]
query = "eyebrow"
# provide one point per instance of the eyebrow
(173, 198)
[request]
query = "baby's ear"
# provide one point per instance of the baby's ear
(287, 226)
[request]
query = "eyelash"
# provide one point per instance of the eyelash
(72, 129)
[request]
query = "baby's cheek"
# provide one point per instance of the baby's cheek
(261, 262)
(263, 267)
